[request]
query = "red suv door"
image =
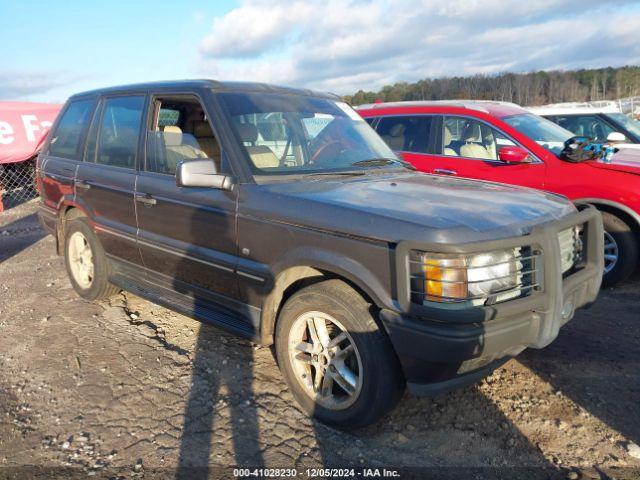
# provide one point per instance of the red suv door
(470, 148)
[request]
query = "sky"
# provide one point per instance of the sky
(52, 49)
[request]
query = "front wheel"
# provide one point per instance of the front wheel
(620, 250)
(339, 366)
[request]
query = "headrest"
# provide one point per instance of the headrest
(472, 133)
(172, 136)
(447, 135)
(248, 132)
(397, 130)
(202, 129)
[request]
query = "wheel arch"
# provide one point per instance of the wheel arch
(290, 281)
(631, 217)
(68, 211)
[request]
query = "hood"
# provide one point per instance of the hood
(412, 206)
(625, 160)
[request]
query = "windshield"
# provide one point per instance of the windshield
(543, 131)
(294, 134)
(630, 124)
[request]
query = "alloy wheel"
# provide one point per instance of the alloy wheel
(611, 253)
(81, 260)
(325, 360)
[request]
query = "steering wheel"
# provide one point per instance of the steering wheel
(326, 148)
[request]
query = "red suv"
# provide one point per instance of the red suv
(503, 142)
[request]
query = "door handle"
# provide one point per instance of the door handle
(145, 199)
(444, 171)
(83, 185)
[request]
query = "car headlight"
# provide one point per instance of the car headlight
(476, 277)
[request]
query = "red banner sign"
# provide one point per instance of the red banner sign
(23, 126)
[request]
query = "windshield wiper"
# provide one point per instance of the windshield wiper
(345, 172)
(381, 162)
(374, 162)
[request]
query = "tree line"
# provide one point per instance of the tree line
(533, 88)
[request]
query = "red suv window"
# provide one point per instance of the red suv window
(408, 133)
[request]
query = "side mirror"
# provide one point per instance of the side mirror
(202, 173)
(513, 154)
(616, 137)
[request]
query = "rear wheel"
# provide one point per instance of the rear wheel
(620, 250)
(339, 366)
(86, 262)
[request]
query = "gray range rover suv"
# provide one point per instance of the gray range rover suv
(280, 215)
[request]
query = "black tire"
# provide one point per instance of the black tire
(382, 380)
(100, 287)
(626, 240)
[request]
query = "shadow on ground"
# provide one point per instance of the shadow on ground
(19, 235)
(592, 361)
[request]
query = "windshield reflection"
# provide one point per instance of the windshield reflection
(285, 134)
(544, 132)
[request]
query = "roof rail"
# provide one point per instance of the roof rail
(605, 105)
(470, 104)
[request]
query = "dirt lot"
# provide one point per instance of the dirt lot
(130, 389)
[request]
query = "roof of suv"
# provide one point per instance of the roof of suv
(211, 84)
(498, 109)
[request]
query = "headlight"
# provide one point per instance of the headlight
(570, 247)
(501, 275)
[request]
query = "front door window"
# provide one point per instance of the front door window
(469, 138)
(179, 131)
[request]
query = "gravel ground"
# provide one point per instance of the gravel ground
(128, 389)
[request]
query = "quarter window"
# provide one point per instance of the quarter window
(119, 131)
(469, 138)
(65, 141)
(406, 133)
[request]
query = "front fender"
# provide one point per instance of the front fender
(304, 263)
(340, 265)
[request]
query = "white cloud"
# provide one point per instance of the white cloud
(344, 45)
(252, 28)
(22, 85)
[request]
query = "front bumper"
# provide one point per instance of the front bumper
(441, 349)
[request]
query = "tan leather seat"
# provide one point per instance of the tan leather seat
(180, 147)
(395, 138)
(447, 143)
(207, 141)
(261, 155)
(473, 148)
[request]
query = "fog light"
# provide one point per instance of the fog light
(567, 310)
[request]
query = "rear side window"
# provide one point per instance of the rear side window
(119, 131)
(65, 141)
(407, 133)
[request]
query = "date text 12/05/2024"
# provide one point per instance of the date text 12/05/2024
(316, 472)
